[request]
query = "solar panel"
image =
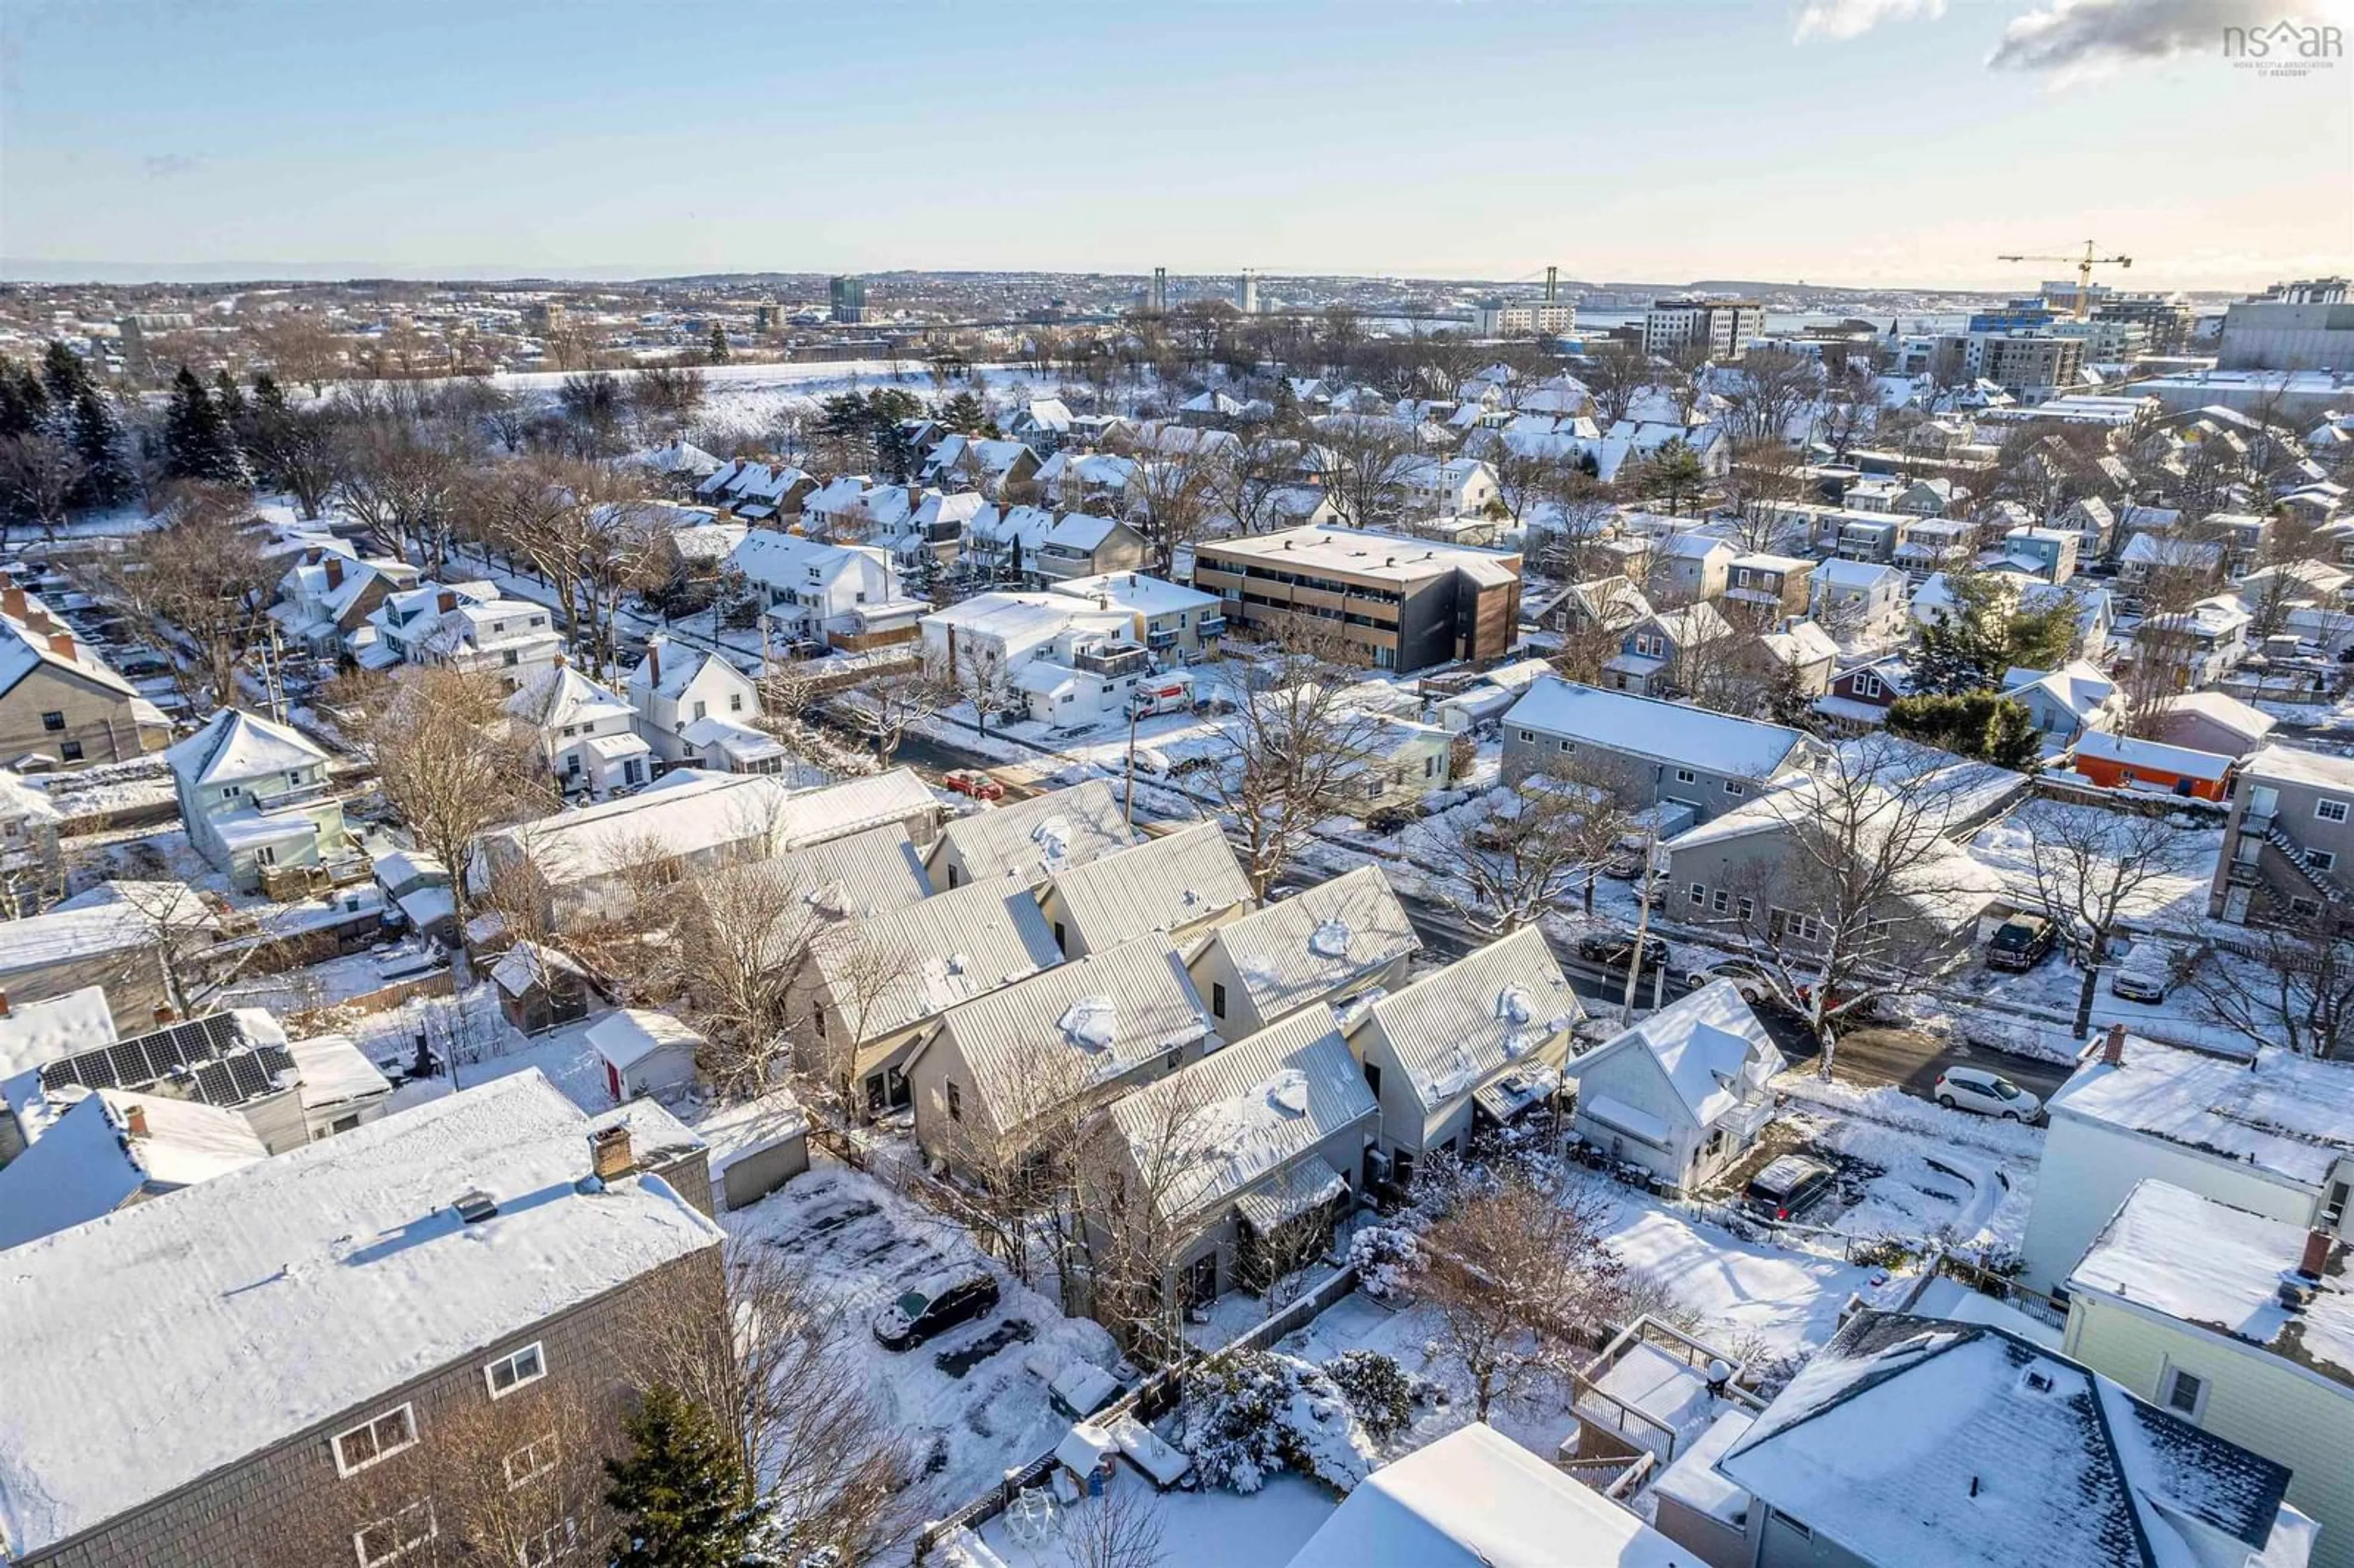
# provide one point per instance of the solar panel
(214, 1086)
(246, 1071)
(206, 1056)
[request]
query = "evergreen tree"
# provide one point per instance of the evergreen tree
(92, 428)
(894, 452)
(682, 1501)
(197, 441)
(1954, 654)
(64, 375)
(227, 397)
(269, 397)
(718, 355)
(23, 401)
(1674, 475)
(1287, 405)
(964, 414)
(1983, 725)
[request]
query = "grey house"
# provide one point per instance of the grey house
(1652, 751)
(2287, 843)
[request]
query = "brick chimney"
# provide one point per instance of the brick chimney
(2316, 1254)
(11, 601)
(334, 565)
(2113, 1050)
(654, 663)
(445, 602)
(134, 1120)
(164, 1014)
(609, 1156)
(61, 643)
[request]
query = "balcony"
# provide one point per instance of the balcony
(1113, 658)
(1211, 626)
(290, 795)
(2243, 874)
(1156, 641)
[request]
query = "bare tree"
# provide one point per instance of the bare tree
(401, 485)
(1764, 478)
(751, 1343)
(2299, 995)
(1371, 457)
(1533, 855)
(2090, 865)
(1520, 1276)
(185, 930)
(1170, 498)
(1770, 392)
(1298, 744)
(199, 582)
(1614, 378)
(38, 477)
(882, 709)
(1122, 1529)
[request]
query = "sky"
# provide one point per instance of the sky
(1871, 143)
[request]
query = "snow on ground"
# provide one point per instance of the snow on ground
(1198, 1530)
(1941, 1175)
(972, 1402)
(2174, 899)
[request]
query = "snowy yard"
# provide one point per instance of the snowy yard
(972, 1402)
(1915, 1170)
(1211, 1530)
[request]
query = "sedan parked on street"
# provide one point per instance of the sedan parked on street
(1987, 1094)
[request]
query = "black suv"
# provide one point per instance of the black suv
(2020, 942)
(1788, 1188)
(1612, 949)
(935, 1308)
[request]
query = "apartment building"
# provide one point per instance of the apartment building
(196, 1388)
(1718, 328)
(2292, 825)
(1403, 603)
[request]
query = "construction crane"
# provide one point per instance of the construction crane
(2084, 265)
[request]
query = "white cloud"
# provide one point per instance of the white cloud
(1853, 19)
(2077, 40)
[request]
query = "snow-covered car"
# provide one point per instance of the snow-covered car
(2148, 973)
(1788, 1188)
(935, 1308)
(1987, 1094)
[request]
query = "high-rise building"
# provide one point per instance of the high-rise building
(1717, 328)
(2304, 325)
(1247, 292)
(848, 297)
(2032, 366)
(1520, 318)
(2165, 319)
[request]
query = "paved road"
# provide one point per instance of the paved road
(1875, 1053)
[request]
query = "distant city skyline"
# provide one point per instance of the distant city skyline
(1860, 144)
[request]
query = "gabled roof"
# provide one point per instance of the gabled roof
(1649, 727)
(1024, 842)
(89, 1161)
(1709, 1047)
(23, 650)
(235, 744)
(1164, 883)
(1915, 1440)
(1475, 1498)
(1453, 1030)
(562, 695)
(2078, 686)
(1072, 1028)
(1317, 941)
(243, 1334)
(628, 1036)
(33, 1033)
(2182, 761)
(1083, 531)
(1220, 1125)
(785, 560)
(898, 967)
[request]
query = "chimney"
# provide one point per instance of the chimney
(653, 661)
(11, 601)
(445, 602)
(560, 658)
(164, 1014)
(2113, 1050)
(2316, 1254)
(4, 1001)
(334, 565)
(610, 1158)
(134, 1120)
(61, 643)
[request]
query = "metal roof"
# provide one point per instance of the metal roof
(1161, 885)
(1452, 1030)
(1026, 842)
(1317, 941)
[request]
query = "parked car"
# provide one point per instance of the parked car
(2148, 973)
(1788, 1188)
(2020, 942)
(1745, 976)
(935, 1308)
(1612, 949)
(1625, 861)
(972, 781)
(1986, 1092)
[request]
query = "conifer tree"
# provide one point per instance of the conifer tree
(718, 355)
(682, 1501)
(23, 401)
(197, 441)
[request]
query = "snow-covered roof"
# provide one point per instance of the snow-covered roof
(1709, 1046)
(88, 1162)
(561, 696)
(241, 1335)
(24, 650)
(1649, 727)
(1454, 1029)
(2249, 722)
(1475, 1498)
(235, 744)
(1317, 941)
(2181, 761)
(1164, 883)
(898, 967)
(2296, 765)
(2078, 686)
(35, 1033)
(1134, 591)
(1072, 1028)
(996, 525)
(1083, 532)
(1220, 1126)
(1024, 842)
(1844, 574)
(2289, 1115)
(334, 1072)
(787, 560)
(735, 1132)
(1915, 1440)
(628, 1036)
(527, 964)
(2177, 1252)
(854, 875)
(1363, 553)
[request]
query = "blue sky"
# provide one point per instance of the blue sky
(1668, 141)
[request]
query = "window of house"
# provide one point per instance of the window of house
(53, 719)
(550, 1546)
(2305, 905)
(1685, 775)
(1528, 736)
(2185, 1394)
(955, 1101)
(2321, 860)
(1699, 893)
(509, 1373)
(512, 657)
(389, 1539)
(2329, 810)
(533, 1460)
(1430, 767)
(1748, 910)
(381, 1438)
(2334, 1210)
(69, 751)
(735, 701)
(1062, 938)
(1720, 902)
(1794, 1527)
(1735, 786)
(701, 709)
(1217, 999)
(267, 855)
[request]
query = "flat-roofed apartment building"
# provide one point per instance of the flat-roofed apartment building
(1407, 603)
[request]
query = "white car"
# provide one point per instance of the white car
(2146, 974)
(1987, 1094)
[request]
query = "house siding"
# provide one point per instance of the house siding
(99, 719)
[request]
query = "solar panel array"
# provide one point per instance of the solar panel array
(205, 1059)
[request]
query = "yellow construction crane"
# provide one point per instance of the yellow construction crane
(2084, 265)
